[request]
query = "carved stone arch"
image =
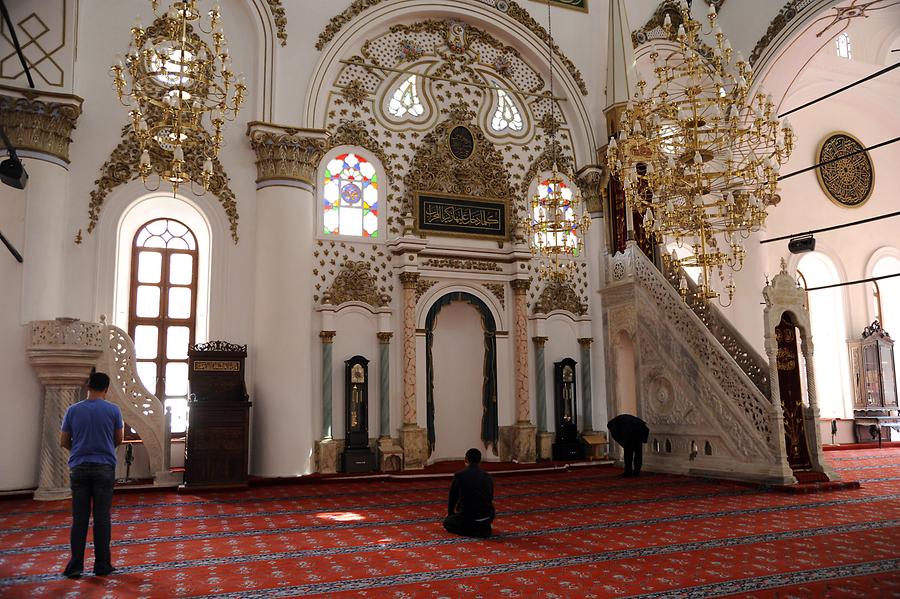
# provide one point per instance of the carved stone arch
(436, 168)
(365, 19)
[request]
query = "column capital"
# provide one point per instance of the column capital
(39, 123)
(327, 336)
(409, 279)
(585, 341)
(520, 286)
(592, 182)
(384, 337)
(286, 155)
(539, 341)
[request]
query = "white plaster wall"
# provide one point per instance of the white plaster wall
(356, 335)
(458, 359)
(20, 401)
(562, 342)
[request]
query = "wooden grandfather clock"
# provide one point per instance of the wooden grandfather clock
(357, 456)
(567, 445)
(875, 406)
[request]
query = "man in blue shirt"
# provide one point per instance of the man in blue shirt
(91, 430)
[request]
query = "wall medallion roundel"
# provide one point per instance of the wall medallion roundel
(461, 142)
(847, 182)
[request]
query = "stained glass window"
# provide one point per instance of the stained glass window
(350, 201)
(507, 115)
(406, 99)
(842, 45)
(561, 228)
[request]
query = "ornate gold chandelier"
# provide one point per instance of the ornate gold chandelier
(557, 228)
(181, 90)
(698, 156)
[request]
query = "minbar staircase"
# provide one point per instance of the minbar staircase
(702, 389)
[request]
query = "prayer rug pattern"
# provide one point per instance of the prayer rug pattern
(580, 533)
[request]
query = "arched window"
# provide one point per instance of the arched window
(507, 115)
(162, 315)
(842, 46)
(827, 321)
(405, 100)
(539, 214)
(887, 302)
(350, 197)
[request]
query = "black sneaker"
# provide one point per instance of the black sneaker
(73, 574)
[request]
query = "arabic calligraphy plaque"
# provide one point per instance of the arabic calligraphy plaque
(847, 182)
(456, 215)
(462, 142)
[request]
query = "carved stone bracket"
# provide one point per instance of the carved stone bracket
(560, 296)
(286, 154)
(39, 122)
(355, 282)
(122, 166)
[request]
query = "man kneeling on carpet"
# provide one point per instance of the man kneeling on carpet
(470, 509)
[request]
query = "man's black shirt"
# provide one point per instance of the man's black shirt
(472, 493)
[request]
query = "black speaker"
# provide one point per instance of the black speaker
(800, 245)
(12, 173)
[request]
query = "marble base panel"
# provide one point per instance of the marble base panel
(390, 455)
(328, 455)
(414, 440)
(597, 445)
(524, 449)
(544, 446)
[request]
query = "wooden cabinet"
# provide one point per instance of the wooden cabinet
(217, 448)
(874, 384)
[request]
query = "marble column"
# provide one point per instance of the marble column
(40, 126)
(413, 437)
(327, 338)
(587, 397)
(62, 353)
(523, 446)
(544, 439)
(384, 384)
(283, 349)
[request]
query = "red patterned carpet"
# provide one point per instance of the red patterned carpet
(580, 533)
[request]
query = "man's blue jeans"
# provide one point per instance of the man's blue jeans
(91, 484)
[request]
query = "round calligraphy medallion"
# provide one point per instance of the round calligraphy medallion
(351, 193)
(847, 182)
(462, 142)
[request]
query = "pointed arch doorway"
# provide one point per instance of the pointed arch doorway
(455, 393)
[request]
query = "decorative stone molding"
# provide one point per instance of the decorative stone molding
(285, 154)
(520, 286)
(512, 8)
(498, 290)
(559, 296)
(410, 280)
(384, 337)
(355, 282)
(585, 341)
(784, 16)
(539, 341)
(462, 264)
(280, 18)
(423, 286)
(39, 122)
(592, 182)
(122, 166)
(327, 336)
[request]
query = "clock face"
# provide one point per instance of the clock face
(462, 142)
(849, 181)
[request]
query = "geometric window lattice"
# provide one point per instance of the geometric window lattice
(507, 115)
(406, 100)
(350, 197)
(556, 238)
(163, 311)
(842, 46)
(848, 182)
